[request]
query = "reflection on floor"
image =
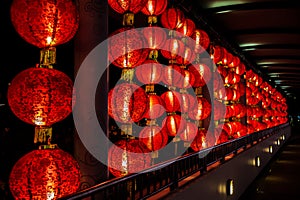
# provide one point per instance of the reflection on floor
(281, 178)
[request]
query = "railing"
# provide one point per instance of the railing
(168, 174)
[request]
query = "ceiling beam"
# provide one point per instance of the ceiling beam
(265, 31)
(271, 46)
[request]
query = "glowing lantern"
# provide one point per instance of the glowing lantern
(44, 174)
(188, 102)
(188, 56)
(240, 69)
(217, 54)
(149, 72)
(172, 75)
(219, 110)
(128, 39)
(44, 23)
(221, 135)
(201, 73)
(41, 96)
(201, 39)
(172, 48)
(202, 140)
(127, 103)
(187, 28)
(172, 18)
(202, 109)
(173, 124)
(127, 6)
(172, 100)
(128, 156)
(154, 8)
(189, 132)
(155, 36)
(156, 106)
(153, 138)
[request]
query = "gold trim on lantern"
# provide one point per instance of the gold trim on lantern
(149, 88)
(126, 129)
(152, 20)
(153, 54)
(127, 74)
(42, 134)
(128, 19)
(47, 57)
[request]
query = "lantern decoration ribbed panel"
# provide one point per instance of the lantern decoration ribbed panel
(202, 40)
(128, 156)
(150, 72)
(202, 109)
(45, 23)
(154, 7)
(41, 96)
(202, 74)
(156, 106)
(155, 36)
(123, 6)
(187, 28)
(173, 124)
(44, 174)
(173, 101)
(127, 103)
(153, 137)
(126, 50)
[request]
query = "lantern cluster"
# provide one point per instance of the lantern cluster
(42, 96)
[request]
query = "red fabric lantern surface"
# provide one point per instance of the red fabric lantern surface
(153, 138)
(188, 102)
(154, 7)
(172, 100)
(240, 69)
(235, 62)
(199, 141)
(187, 79)
(219, 110)
(127, 103)
(155, 36)
(187, 28)
(173, 124)
(188, 56)
(172, 75)
(172, 18)
(128, 156)
(202, 74)
(41, 96)
(202, 40)
(218, 53)
(221, 135)
(156, 107)
(121, 49)
(44, 174)
(149, 72)
(172, 49)
(44, 23)
(123, 6)
(189, 133)
(202, 109)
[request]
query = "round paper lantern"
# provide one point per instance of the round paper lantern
(128, 156)
(44, 23)
(187, 28)
(149, 72)
(173, 124)
(121, 49)
(188, 56)
(240, 69)
(172, 48)
(219, 110)
(172, 75)
(188, 102)
(189, 132)
(172, 18)
(172, 100)
(202, 109)
(125, 6)
(156, 107)
(201, 73)
(44, 174)
(202, 40)
(41, 96)
(199, 141)
(221, 135)
(153, 137)
(154, 7)
(127, 103)
(155, 36)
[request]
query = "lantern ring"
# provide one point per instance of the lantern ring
(84, 113)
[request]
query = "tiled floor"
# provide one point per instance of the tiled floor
(281, 179)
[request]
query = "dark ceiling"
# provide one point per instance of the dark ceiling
(265, 32)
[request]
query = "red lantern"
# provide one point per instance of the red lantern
(218, 53)
(189, 132)
(202, 109)
(240, 69)
(199, 141)
(153, 137)
(174, 124)
(172, 18)
(149, 72)
(188, 102)
(172, 49)
(127, 103)
(124, 6)
(188, 56)
(128, 156)
(155, 36)
(156, 107)
(44, 23)
(221, 135)
(41, 96)
(187, 28)
(172, 75)
(219, 110)
(155, 7)
(44, 174)
(235, 62)
(202, 74)
(201, 39)
(126, 50)
(172, 100)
